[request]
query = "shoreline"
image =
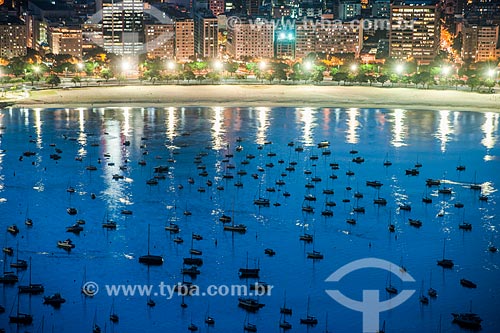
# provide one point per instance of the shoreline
(262, 96)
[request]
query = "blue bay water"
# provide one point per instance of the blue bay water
(439, 140)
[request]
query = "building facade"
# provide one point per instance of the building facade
(254, 39)
(160, 40)
(479, 42)
(333, 38)
(66, 40)
(349, 9)
(122, 26)
(414, 32)
(12, 38)
(217, 7)
(184, 39)
(206, 34)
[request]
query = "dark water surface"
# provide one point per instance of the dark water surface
(440, 140)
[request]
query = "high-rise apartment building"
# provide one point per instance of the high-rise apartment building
(184, 39)
(335, 38)
(206, 34)
(122, 26)
(414, 31)
(217, 6)
(284, 42)
(381, 8)
(12, 37)
(251, 39)
(349, 9)
(160, 40)
(479, 42)
(65, 40)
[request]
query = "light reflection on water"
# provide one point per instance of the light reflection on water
(438, 140)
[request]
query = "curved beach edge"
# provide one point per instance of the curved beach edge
(262, 96)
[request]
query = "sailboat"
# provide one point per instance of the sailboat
(32, 288)
(308, 320)
(284, 310)
(250, 304)
(431, 291)
(261, 201)
(85, 289)
(305, 236)
(248, 327)
(241, 228)
(383, 328)
(467, 319)
(28, 221)
(19, 263)
(7, 277)
(386, 160)
(445, 263)
(192, 252)
(192, 327)
(249, 272)
(391, 226)
(314, 254)
(150, 259)
(326, 323)
(95, 328)
(284, 324)
(426, 199)
(390, 288)
(112, 314)
(475, 185)
(21, 318)
(209, 320)
(423, 299)
(108, 224)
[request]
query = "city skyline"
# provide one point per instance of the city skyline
(372, 31)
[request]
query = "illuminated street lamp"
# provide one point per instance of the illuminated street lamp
(80, 66)
(171, 65)
(308, 65)
(445, 70)
(400, 68)
(491, 73)
(125, 66)
(218, 65)
(262, 65)
(36, 69)
(354, 67)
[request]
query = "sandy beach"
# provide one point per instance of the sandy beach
(263, 95)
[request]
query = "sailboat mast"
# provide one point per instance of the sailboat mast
(149, 235)
(30, 271)
(444, 246)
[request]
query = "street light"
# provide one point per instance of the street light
(218, 65)
(399, 69)
(491, 73)
(354, 67)
(262, 65)
(36, 69)
(79, 66)
(445, 70)
(307, 65)
(125, 65)
(171, 65)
